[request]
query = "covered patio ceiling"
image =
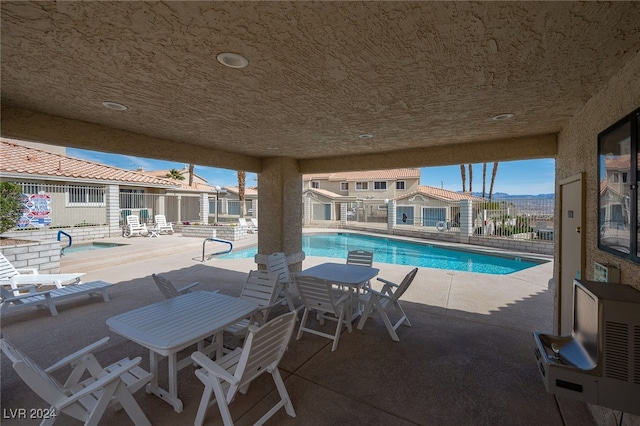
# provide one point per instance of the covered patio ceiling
(423, 79)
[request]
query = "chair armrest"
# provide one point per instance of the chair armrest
(187, 288)
(32, 271)
(205, 362)
(376, 292)
(76, 356)
(100, 383)
(388, 282)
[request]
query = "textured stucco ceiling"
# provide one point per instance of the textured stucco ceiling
(415, 75)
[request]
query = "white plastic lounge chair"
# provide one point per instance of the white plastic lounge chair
(168, 289)
(11, 302)
(319, 295)
(277, 262)
(381, 301)
(254, 222)
(85, 400)
(262, 288)
(162, 225)
(134, 227)
(262, 352)
(9, 275)
(250, 228)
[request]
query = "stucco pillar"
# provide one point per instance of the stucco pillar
(280, 211)
(391, 216)
(113, 210)
(254, 207)
(466, 220)
(307, 211)
(343, 214)
(204, 208)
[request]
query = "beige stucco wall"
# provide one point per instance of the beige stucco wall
(578, 151)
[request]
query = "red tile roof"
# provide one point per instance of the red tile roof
(367, 175)
(440, 194)
(22, 161)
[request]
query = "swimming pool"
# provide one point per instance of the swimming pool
(389, 250)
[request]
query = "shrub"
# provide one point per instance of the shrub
(10, 205)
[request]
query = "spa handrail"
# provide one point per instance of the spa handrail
(220, 252)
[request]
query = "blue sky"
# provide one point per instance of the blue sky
(527, 177)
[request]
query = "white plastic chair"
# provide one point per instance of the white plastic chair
(161, 224)
(262, 352)
(9, 275)
(381, 301)
(250, 228)
(262, 288)
(134, 227)
(320, 296)
(85, 400)
(277, 262)
(168, 289)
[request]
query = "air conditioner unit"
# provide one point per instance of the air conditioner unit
(599, 362)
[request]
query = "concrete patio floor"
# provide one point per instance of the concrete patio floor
(467, 359)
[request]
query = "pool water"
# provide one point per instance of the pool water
(76, 248)
(388, 250)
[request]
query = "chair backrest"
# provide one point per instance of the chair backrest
(277, 262)
(316, 293)
(242, 221)
(161, 220)
(45, 386)
(404, 285)
(165, 286)
(7, 270)
(360, 257)
(263, 349)
(254, 222)
(133, 221)
(261, 287)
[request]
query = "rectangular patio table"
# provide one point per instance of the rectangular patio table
(342, 274)
(169, 326)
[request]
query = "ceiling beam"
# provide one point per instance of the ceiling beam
(522, 148)
(34, 126)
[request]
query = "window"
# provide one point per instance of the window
(315, 184)
(401, 185)
(344, 186)
(618, 207)
(362, 186)
(85, 196)
(380, 185)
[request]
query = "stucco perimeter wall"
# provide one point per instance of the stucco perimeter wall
(41, 255)
(578, 152)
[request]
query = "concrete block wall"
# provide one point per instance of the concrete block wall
(87, 233)
(41, 255)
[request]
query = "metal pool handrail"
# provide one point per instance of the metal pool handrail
(70, 241)
(220, 252)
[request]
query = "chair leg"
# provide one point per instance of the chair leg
(405, 318)
(102, 404)
(303, 323)
(368, 309)
(131, 406)
(284, 395)
(386, 320)
(336, 337)
(204, 404)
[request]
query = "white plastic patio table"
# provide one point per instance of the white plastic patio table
(169, 326)
(352, 276)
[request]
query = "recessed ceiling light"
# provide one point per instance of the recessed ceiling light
(232, 60)
(365, 135)
(114, 106)
(502, 117)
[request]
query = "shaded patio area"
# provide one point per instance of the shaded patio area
(468, 359)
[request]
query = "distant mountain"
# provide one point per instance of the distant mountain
(503, 195)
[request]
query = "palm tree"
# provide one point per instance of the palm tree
(484, 179)
(175, 174)
(470, 178)
(242, 178)
(464, 177)
(493, 179)
(191, 167)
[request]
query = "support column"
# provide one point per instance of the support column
(254, 207)
(204, 208)
(112, 195)
(281, 211)
(306, 221)
(466, 220)
(343, 214)
(391, 216)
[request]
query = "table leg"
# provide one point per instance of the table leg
(170, 396)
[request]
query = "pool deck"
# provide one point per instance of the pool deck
(466, 360)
